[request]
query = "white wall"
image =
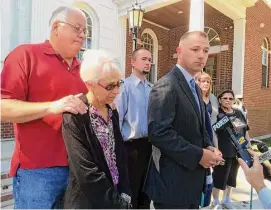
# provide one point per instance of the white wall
(15, 24)
(27, 21)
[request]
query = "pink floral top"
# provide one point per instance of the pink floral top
(105, 134)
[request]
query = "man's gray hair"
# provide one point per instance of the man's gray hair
(97, 63)
(61, 14)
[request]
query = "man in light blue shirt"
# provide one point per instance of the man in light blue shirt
(255, 177)
(132, 105)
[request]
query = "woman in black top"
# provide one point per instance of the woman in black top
(224, 176)
(97, 160)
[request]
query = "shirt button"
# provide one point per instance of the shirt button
(63, 61)
(68, 68)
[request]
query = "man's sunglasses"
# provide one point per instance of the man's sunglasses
(231, 99)
(112, 86)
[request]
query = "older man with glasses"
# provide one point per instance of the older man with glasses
(39, 83)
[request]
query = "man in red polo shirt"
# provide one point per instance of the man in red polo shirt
(39, 83)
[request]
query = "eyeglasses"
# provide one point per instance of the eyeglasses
(225, 98)
(76, 29)
(112, 86)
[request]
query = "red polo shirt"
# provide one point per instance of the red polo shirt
(35, 73)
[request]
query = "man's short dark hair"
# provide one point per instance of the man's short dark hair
(134, 53)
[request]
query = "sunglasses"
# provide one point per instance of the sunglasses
(225, 98)
(112, 86)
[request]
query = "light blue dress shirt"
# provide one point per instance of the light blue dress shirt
(132, 105)
(191, 82)
(265, 197)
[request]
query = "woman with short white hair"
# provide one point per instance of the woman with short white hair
(97, 162)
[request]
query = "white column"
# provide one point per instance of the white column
(9, 27)
(238, 56)
(24, 20)
(41, 12)
(121, 42)
(196, 19)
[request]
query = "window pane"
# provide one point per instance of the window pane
(147, 43)
(264, 57)
(150, 76)
(213, 36)
(264, 76)
(89, 31)
(88, 43)
(80, 55)
(89, 22)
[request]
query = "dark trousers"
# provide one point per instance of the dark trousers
(169, 206)
(139, 151)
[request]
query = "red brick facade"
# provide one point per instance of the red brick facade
(256, 98)
(6, 131)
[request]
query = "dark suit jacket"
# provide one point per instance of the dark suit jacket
(177, 129)
(90, 182)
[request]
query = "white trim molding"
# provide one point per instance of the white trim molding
(121, 42)
(263, 137)
(155, 24)
(147, 5)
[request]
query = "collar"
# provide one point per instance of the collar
(93, 110)
(187, 76)
(136, 80)
(49, 50)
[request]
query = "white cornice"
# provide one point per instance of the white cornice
(155, 24)
(147, 5)
(234, 9)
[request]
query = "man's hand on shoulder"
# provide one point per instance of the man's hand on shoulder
(71, 103)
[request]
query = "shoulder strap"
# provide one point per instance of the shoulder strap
(241, 114)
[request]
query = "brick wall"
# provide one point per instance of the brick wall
(169, 40)
(6, 130)
(224, 27)
(256, 98)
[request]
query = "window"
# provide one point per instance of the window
(214, 39)
(149, 42)
(88, 42)
(211, 65)
(265, 70)
(93, 26)
(211, 69)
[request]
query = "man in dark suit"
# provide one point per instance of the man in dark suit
(176, 126)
